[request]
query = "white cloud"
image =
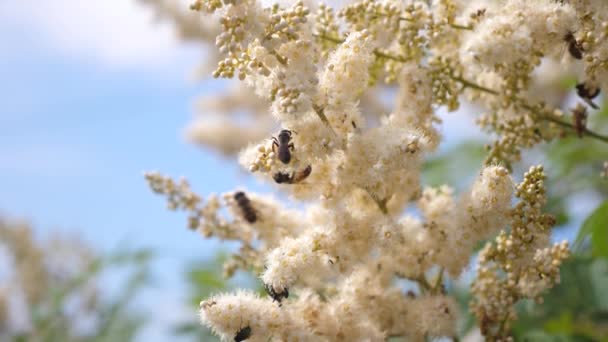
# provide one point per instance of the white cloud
(111, 32)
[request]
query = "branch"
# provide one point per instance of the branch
(461, 27)
(321, 114)
(381, 54)
(425, 285)
(438, 281)
(328, 38)
(377, 52)
(469, 84)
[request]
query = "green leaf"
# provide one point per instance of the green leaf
(453, 166)
(206, 278)
(595, 227)
(598, 274)
(568, 82)
(561, 324)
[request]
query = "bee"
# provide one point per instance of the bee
(478, 14)
(588, 91)
(245, 204)
(284, 145)
(276, 296)
(242, 334)
(206, 304)
(574, 47)
(282, 177)
(579, 116)
(294, 177)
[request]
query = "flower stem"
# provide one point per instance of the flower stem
(472, 85)
(461, 27)
(469, 84)
(586, 131)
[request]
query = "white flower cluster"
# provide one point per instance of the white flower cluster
(521, 263)
(370, 222)
(520, 30)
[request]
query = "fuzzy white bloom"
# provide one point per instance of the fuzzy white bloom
(414, 103)
(437, 315)
(336, 243)
(479, 214)
(383, 161)
(543, 271)
(293, 258)
(345, 75)
(488, 201)
(343, 81)
(452, 229)
(229, 314)
(519, 30)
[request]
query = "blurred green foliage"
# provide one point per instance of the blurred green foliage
(113, 317)
(575, 310)
(593, 235)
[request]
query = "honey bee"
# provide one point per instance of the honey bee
(242, 334)
(294, 177)
(244, 203)
(284, 145)
(588, 91)
(276, 296)
(574, 47)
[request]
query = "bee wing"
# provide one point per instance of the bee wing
(591, 103)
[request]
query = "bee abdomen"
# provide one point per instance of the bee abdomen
(246, 208)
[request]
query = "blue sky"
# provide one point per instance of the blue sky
(80, 122)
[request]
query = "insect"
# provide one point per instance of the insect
(284, 145)
(478, 14)
(588, 91)
(579, 116)
(242, 334)
(574, 47)
(206, 304)
(294, 177)
(245, 204)
(276, 296)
